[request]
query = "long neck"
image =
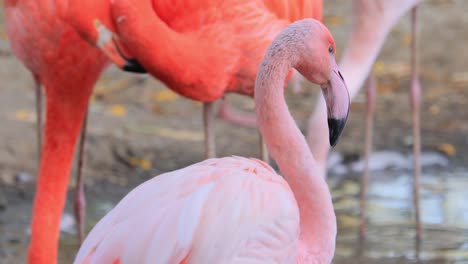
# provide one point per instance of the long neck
(68, 88)
(63, 123)
(182, 60)
(289, 149)
(372, 21)
(365, 42)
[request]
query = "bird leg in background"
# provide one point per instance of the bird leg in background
(80, 200)
(38, 88)
(263, 150)
(370, 96)
(227, 113)
(208, 124)
(415, 108)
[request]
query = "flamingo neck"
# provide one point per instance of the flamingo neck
(67, 93)
(364, 45)
(372, 22)
(289, 149)
(83, 14)
(64, 118)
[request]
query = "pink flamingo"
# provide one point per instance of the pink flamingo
(372, 21)
(237, 209)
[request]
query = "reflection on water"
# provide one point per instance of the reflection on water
(390, 237)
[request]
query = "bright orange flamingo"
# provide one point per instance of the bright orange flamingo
(372, 21)
(67, 67)
(238, 210)
(199, 49)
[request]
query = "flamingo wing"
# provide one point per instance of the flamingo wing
(229, 210)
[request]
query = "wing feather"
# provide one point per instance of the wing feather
(229, 210)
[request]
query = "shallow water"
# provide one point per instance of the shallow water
(390, 236)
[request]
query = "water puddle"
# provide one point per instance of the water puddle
(390, 236)
(391, 232)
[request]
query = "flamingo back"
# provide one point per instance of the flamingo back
(228, 210)
(293, 10)
(216, 46)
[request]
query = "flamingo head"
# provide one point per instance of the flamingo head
(92, 20)
(320, 67)
(109, 43)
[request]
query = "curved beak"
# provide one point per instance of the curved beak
(108, 43)
(337, 100)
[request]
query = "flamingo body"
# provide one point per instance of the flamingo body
(199, 49)
(179, 216)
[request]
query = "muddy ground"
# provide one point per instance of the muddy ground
(137, 128)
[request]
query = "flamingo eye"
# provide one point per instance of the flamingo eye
(330, 49)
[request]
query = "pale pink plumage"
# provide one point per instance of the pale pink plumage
(252, 205)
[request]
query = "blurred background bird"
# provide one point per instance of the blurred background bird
(372, 21)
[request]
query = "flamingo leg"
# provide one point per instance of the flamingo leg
(38, 89)
(80, 199)
(415, 108)
(208, 122)
(264, 150)
(370, 94)
(227, 113)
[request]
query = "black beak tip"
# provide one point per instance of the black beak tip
(335, 127)
(132, 65)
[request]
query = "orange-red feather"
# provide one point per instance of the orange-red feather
(204, 49)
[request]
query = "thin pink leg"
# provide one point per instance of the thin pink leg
(415, 107)
(80, 199)
(227, 113)
(38, 116)
(208, 122)
(370, 94)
